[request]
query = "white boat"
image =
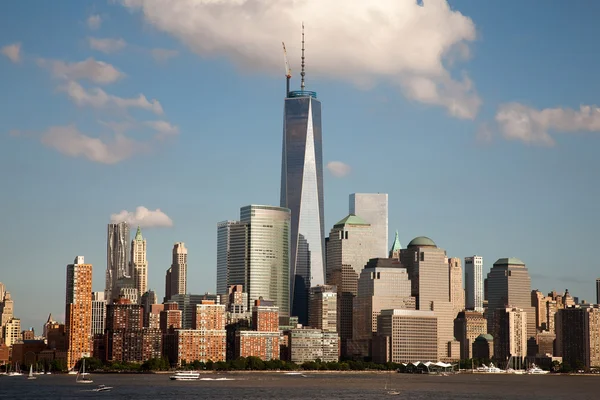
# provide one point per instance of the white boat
(185, 376)
(515, 371)
(83, 376)
(535, 370)
(16, 372)
(491, 369)
(102, 388)
(30, 376)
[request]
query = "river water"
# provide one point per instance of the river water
(225, 386)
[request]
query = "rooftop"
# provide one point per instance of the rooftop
(302, 93)
(485, 336)
(509, 261)
(422, 241)
(352, 219)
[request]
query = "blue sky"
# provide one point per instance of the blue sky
(498, 159)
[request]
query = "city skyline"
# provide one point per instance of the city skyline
(383, 122)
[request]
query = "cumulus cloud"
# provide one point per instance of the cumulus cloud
(106, 45)
(12, 51)
(98, 98)
(70, 141)
(96, 71)
(163, 54)
(520, 122)
(408, 44)
(163, 128)
(338, 168)
(94, 21)
(143, 217)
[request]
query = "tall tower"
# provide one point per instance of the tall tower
(98, 313)
(457, 293)
(139, 263)
(78, 313)
(302, 193)
(118, 270)
(178, 276)
(373, 208)
(474, 283)
(223, 255)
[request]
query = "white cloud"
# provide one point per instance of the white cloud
(403, 43)
(13, 52)
(520, 122)
(94, 21)
(90, 69)
(106, 45)
(98, 98)
(70, 141)
(163, 54)
(163, 128)
(338, 168)
(143, 217)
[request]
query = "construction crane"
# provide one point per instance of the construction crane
(288, 71)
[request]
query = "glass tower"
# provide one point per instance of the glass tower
(302, 193)
(117, 264)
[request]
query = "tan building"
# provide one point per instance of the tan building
(406, 336)
(6, 306)
(11, 331)
(383, 284)
(578, 336)
(322, 308)
(510, 333)
(468, 325)
(427, 267)
(176, 279)
(78, 315)
(457, 293)
(139, 263)
(200, 345)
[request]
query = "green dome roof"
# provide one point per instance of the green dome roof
(422, 241)
(351, 219)
(509, 261)
(485, 336)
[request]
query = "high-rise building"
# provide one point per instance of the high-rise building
(98, 313)
(427, 267)
(457, 293)
(7, 307)
(223, 255)
(139, 263)
(510, 333)
(147, 301)
(509, 285)
(11, 331)
(118, 272)
(322, 308)
(351, 244)
(178, 270)
(598, 291)
(474, 283)
(78, 314)
(578, 336)
(468, 325)
(302, 193)
(259, 254)
(373, 208)
(168, 278)
(187, 304)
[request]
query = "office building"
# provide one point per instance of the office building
(509, 285)
(223, 255)
(11, 331)
(578, 336)
(98, 313)
(510, 334)
(468, 325)
(308, 344)
(322, 308)
(373, 208)
(78, 313)
(118, 272)
(176, 277)
(457, 293)
(474, 283)
(139, 263)
(598, 291)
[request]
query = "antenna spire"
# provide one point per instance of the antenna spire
(302, 73)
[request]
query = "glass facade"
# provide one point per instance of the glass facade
(223, 253)
(302, 193)
(117, 254)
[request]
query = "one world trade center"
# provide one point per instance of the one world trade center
(302, 193)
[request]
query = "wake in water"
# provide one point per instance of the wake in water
(217, 379)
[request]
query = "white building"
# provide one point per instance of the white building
(98, 313)
(474, 283)
(373, 208)
(139, 263)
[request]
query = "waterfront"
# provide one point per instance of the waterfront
(314, 386)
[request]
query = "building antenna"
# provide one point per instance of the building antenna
(302, 73)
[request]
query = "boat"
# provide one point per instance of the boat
(83, 376)
(102, 388)
(388, 382)
(16, 372)
(185, 376)
(535, 370)
(491, 369)
(30, 376)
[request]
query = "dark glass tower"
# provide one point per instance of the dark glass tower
(302, 193)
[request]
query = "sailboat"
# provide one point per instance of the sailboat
(16, 372)
(30, 376)
(83, 375)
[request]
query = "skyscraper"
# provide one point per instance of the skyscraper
(373, 208)
(98, 313)
(139, 263)
(474, 283)
(118, 271)
(457, 293)
(223, 255)
(598, 291)
(178, 269)
(323, 308)
(302, 193)
(260, 254)
(78, 313)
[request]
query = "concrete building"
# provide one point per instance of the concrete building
(237, 299)
(510, 333)
(483, 347)
(7, 306)
(118, 271)
(98, 313)
(264, 340)
(468, 325)
(323, 308)
(78, 313)
(170, 317)
(147, 301)
(351, 244)
(200, 345)
(427, 267)
(406, 336)
(307, 344)
(598, 291)
(578, 333)
(187, 303)
(223, 255)
(457, 293)
(130, 293)
(209, 316)
(373, 208)
(265, 316)
(133, 345)
(509, 285)
(383, 284)
(474, 283)
(11, 332)
(139, 263)
(177, 274)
